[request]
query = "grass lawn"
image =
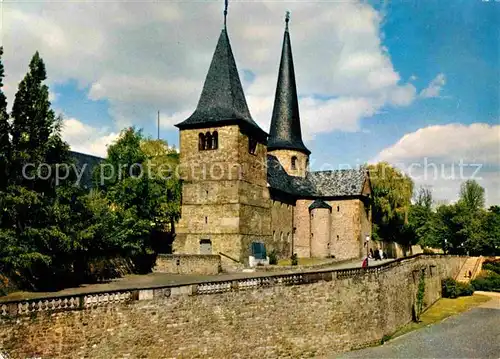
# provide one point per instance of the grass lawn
(443, 308)
(304, 261)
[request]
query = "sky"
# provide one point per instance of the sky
(413, 83)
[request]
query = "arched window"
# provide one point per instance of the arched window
(281, 236)
(252, 145)
(201, 142)
(274, 235)
(294, 163)
(288, 237)
(215, 140)
(208, 141)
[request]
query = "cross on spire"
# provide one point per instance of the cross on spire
(225, 12)
(287, 19)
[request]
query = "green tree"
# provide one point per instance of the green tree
(36, 248)
(161, 167)
(140, 177)
(5, 147)
(392, 193)
(465, 227)
(420, 217)
(472, 195)
(492, 227)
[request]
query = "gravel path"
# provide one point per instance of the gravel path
(473, 334)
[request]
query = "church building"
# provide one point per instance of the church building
(242, 185)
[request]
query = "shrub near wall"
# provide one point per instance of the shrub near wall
(489, 278)
(453, 289)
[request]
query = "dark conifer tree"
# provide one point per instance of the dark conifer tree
(4, 132)
(35, 129)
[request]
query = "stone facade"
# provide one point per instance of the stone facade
(187, 264)
(282, 228)
(325, 315)
(225, 199)
(320, 232)
(297, 167)
(350, 225)
(248, 186)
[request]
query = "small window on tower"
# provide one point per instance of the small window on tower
(294, 163)
(215, 140)
(208, 141)
(201, 142)
(252, 145)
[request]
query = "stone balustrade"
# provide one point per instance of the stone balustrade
(12, 308)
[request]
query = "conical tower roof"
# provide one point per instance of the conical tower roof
(222, 101)
(285, 132)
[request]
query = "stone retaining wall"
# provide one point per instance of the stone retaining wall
(294, 315)
(188, 264)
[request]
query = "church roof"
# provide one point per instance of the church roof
(319, 204)
(87, 164)
(222, 101)
(285, 131)
(321, 184)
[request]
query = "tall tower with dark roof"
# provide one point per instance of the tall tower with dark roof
(285, 136)
(225, 200)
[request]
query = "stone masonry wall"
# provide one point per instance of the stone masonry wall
(285, 158)
(349, 226)
(225, 198)
(320, 232)
(330, 313)
(302, 244)
(282, 228)
(187, 264)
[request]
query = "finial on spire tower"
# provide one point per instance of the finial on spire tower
(287, 19)
(225, 12)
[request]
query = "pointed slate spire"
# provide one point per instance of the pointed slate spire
(222, 101)
(285, 132)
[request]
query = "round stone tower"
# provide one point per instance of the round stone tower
(321, 223)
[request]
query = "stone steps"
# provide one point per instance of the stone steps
(469, 266)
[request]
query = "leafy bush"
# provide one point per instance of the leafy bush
(489, 283)
(294, 259)
(273, 257)
(493, 266)
(464, 289)
(449, 288)
(453, 289)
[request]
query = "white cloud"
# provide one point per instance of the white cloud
(478, 142)
(445, 156)
(435, 87)
(146, 56)
(87, 139)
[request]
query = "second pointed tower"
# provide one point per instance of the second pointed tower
(285, 135)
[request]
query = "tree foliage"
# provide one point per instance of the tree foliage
(392, 193)
(145, 182)
(460, 228)
(53, 233)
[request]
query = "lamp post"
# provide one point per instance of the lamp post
(367, 241)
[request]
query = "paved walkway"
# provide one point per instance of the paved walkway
(473, 334)
(164, 279)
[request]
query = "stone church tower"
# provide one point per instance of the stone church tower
(285, 137)
(241, 186)
(225, 200)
